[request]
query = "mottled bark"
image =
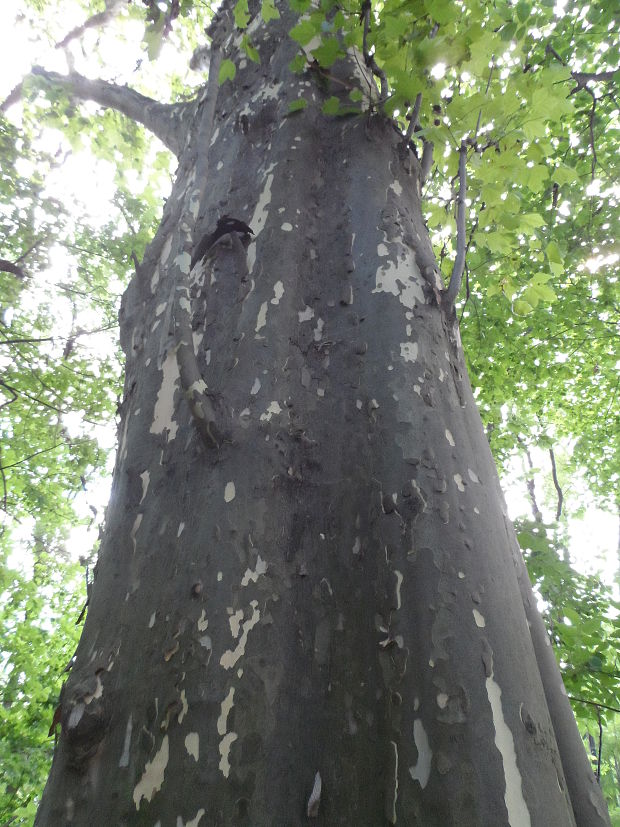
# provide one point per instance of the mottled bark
(322, 618)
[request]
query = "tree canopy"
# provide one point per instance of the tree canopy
(512, 110)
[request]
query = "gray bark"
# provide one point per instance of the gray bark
(321, 618)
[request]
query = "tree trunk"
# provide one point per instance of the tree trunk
(313, 610)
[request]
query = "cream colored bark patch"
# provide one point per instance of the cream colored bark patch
(153, 775)
(422, 770)
(164, 407)
(518, 813)
(229, 492)
(192, 744)
(230, 657)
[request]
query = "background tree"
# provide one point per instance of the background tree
(516, 158)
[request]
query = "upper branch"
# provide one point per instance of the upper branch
(160, 118)
(459, 262)
(369, 58)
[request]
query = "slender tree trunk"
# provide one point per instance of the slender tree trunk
(316, 613)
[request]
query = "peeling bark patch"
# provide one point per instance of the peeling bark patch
(146, 478)
(518, 813)
(450, 438)
(306, 314)
(134, 530)
(399, 580)
(225, 745)
(261, 319)
(391, 793)
(153, 775)
(229, 492)
(314, 801)
(472, 475)
(274, 408)
(255, 387)
(192, 744)
(400, 277)
(202, 623)
(458, 479)
(422, 769)
(225, 708)
(192, 822)
(164, 406)
(278, 292)
(409, 351)
(230, 657)
(124, 759)
(260, 216)
(480, 621)
(152, 620)
(252, 576)
(183, 261)
(287, 227)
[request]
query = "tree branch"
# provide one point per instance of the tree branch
(112, 9)
(414, 117)
(160, 118)
(459, 262)
(554, 474)
(8, 267)
(369, 59)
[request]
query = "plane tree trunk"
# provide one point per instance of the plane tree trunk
(309, 603)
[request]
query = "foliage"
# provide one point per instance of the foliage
(38, 617)
(581, 616)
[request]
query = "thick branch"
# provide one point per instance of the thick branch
(459, 262)
(9, 267)
(160, 118)
(369, 59)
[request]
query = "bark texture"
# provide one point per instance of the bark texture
(321, 618)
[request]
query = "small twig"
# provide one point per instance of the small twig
(486, 92)
(459, 262)
(5, 494)
(369, 59)
(554, 474)
(600, 745)
(593, 703)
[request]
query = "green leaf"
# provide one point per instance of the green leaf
(154, 38)
(228, 70)
(297, 105)
(523, 11)
(250, 51)
(241, 14)
(268, 11)
(331, 106)
(328, 52)
(521, 307)
(544, 292)
(298, 64)
(553, 252)
(305, 30)
(532, 220)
